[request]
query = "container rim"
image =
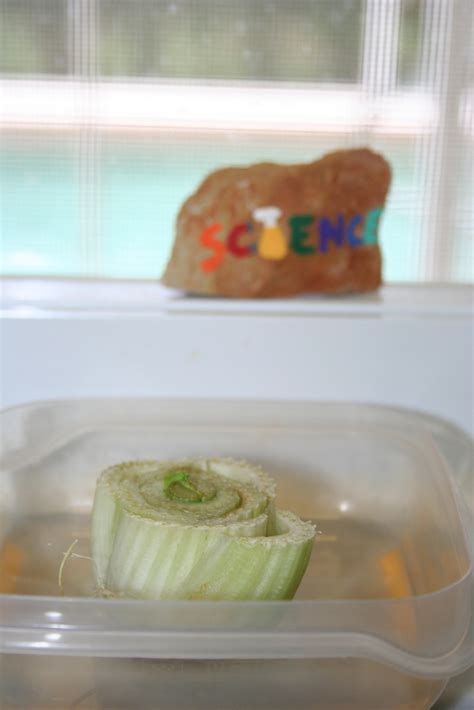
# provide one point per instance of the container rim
(420, 414)
(65, 631)
(197, 603)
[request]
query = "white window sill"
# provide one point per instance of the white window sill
(42, 297)
(406, 346)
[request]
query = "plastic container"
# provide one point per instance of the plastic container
(382, 619)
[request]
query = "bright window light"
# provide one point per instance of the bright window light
(113, 112)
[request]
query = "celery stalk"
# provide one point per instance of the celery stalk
(201, 529)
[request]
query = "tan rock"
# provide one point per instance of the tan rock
(321, 236)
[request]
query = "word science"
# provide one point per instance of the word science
(303, 234)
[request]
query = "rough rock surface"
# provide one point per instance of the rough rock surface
(347, 183)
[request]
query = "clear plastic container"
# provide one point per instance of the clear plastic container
(382, 618)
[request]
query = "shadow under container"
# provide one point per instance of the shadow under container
(382, 618)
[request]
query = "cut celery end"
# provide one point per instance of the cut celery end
(255, 568)
(146, 543)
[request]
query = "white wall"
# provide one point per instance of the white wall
(405, 347)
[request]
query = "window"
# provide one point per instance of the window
(34, 37)
(300, 40)
(115, 110)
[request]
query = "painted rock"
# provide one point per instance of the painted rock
(278, 230)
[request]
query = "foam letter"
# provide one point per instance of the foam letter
(329, 231)
(299, 232)
(352, 238)
(207, 240)
(369, 235)
(233, 241)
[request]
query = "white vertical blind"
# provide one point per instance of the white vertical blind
(381, 42)
(441, 72)
(114, 110)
